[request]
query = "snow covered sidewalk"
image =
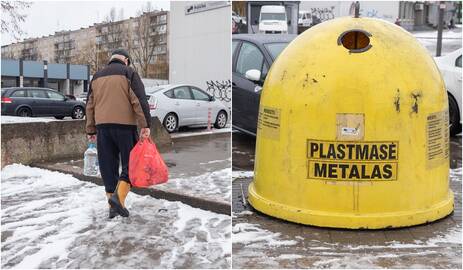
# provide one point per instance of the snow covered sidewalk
(52, 220)
(18, 119)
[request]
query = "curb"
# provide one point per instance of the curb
(213, 206)
(179, 137)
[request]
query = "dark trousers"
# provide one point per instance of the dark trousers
(114, 144)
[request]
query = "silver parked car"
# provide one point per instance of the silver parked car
(185, 105)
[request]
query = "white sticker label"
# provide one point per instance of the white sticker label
(350, 131)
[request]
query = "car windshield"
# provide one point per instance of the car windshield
(273, 16)
(275, 48)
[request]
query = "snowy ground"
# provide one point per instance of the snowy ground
(200, 131)
(214, 185)
(52, 220)
(17, 119)
(198, 166)
(287, 245)
(202, 167)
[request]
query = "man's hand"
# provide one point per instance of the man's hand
(91, 138)
(145, 133)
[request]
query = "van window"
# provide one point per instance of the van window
(458, 61)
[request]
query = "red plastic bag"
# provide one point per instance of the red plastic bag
(146, 166)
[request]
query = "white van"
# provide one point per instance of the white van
(305, 18)
(273, 20)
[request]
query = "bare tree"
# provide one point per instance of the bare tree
(115, 29)
(88, 55)
(145, 40)
(12, 17)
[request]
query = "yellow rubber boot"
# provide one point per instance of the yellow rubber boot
(112, 212)
(117, 200)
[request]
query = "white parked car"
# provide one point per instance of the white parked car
(273, 20)
(185, 105)
(450, 68)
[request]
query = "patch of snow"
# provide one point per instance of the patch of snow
(455, 174)
(242, 174)
(201, 132)
(290, 257)
(52, 220)
(214, 185)
(18, 119)
(246, 233)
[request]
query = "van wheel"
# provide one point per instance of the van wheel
(221, 120)
(24, 112)
(454, 117)
(170, 122)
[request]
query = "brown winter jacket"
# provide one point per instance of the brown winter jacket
(116, 98)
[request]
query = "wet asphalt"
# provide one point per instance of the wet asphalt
(429, 246)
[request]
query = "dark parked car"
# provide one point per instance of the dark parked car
(32, 101)
(253, 54)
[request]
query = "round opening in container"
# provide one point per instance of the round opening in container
(355, 40)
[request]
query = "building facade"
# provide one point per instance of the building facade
(411, 15)
(66, 78)
(200, 47)
(145, 37)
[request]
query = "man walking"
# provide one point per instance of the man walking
(116, 105)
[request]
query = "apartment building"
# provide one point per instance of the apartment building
(145, 37)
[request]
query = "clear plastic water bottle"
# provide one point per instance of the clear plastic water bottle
(91, 161)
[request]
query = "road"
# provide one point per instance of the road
(287, 245)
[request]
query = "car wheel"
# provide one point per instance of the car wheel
(24, 112)
(78, 113)
(454, 117)
(221, 120)
(170, 122)
(59, 117)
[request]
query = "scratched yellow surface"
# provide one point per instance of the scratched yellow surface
(395, 85)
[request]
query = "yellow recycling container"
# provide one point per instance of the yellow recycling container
(353, 130)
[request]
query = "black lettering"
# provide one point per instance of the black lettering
(350, 148)
(354, 172)
(376, 173)
(364, 175)
(392, 151)
(320, 170)
(361, 152)
(343, 169)
(374, 152)
(332, 171)
(313, 148)
(341, 154)
(321, 151)
(331, 152)
(387, 171)
(383, 150)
